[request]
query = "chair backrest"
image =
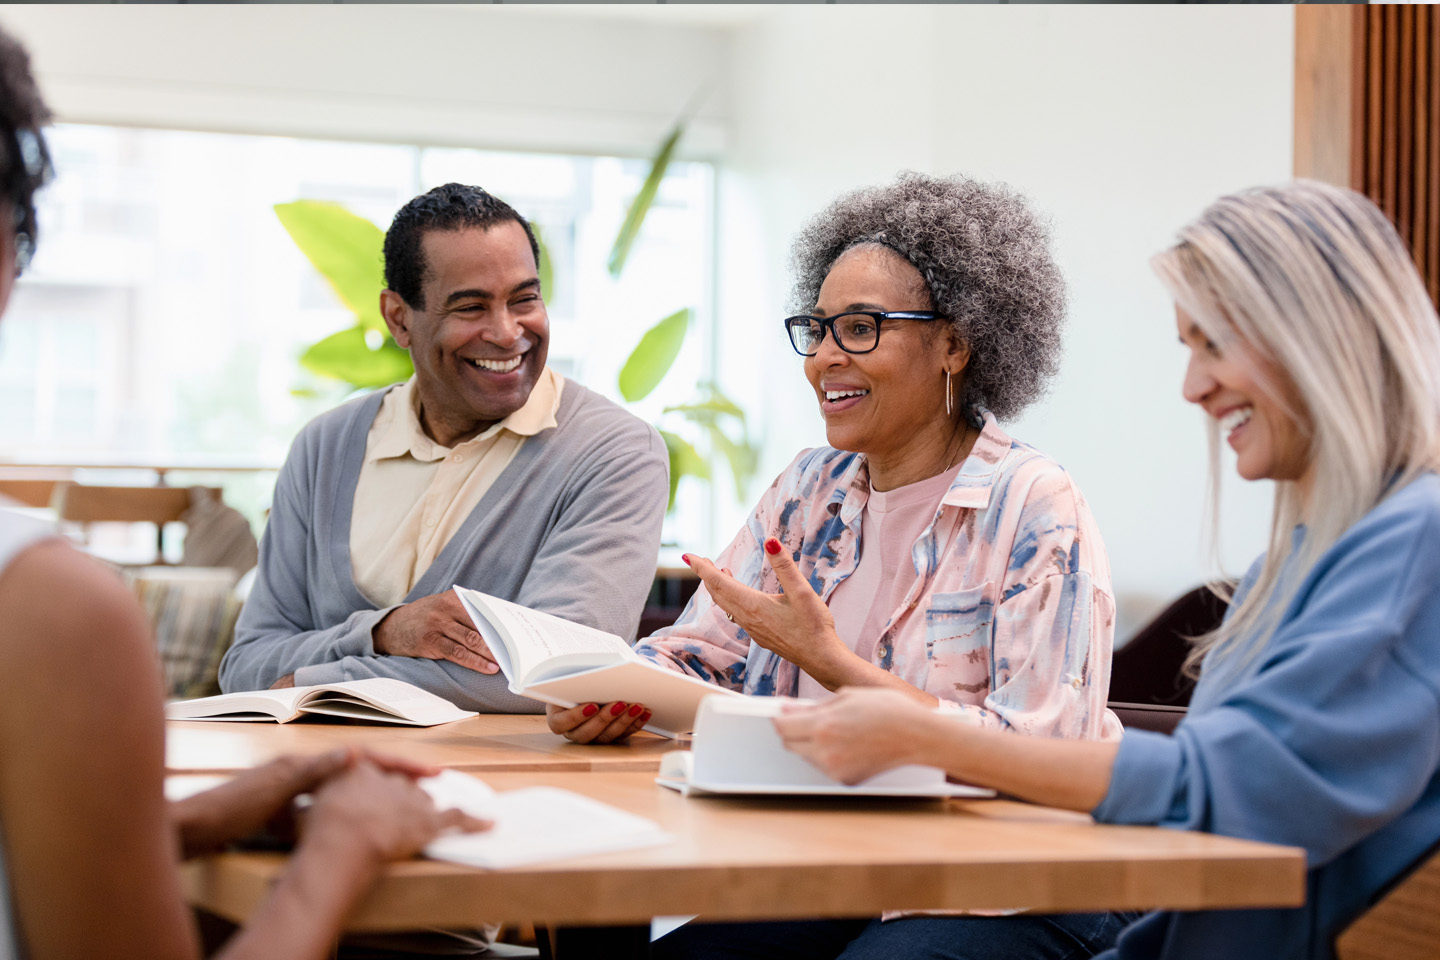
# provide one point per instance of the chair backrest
(81, 503)
(1147, 716)
(1149, 669)
(32, 493)
(1403, 924)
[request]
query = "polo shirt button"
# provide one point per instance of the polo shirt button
(458, 458)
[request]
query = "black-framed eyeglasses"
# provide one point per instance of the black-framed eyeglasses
(854, 332)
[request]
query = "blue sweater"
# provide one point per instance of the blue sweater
(1329, 740)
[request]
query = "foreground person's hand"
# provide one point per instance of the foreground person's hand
(597, 722)
(857, 733)
(434, 628)
(261, 800)
(382, 812)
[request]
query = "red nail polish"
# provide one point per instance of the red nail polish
(591, 709)
(686, 558)
(635, 710)
(618, 709)
(772, 546)
(646, 717)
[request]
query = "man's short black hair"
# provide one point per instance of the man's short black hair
(24, 158)
(453, 206)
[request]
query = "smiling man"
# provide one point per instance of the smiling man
(487, 469)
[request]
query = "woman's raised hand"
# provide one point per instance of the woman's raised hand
(857, 733)
(795, 624)
(597, 722)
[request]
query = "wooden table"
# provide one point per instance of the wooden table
(490, 742)
(790, 857)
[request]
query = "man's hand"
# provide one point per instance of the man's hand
(284, 683)
(435, 628)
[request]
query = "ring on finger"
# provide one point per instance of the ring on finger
(730, 616)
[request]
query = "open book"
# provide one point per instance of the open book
(532, 824)
(380, 699)
(556, 661)
(736, 750)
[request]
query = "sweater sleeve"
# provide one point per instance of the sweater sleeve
(597, 562)
(276, 634)
(1334, 732)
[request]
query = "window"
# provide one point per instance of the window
(163, 314)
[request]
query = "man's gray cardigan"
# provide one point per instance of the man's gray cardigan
(571, 527)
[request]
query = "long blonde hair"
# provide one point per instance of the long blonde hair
(1315, 282)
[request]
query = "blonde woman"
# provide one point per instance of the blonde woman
(1316, 721)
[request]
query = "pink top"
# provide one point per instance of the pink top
(890, 523)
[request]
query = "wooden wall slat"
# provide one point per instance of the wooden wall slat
(1430, 264)
(1359, 102)
(1405, 146)
(1420, 158)
(1389, 132)
(1374, 85)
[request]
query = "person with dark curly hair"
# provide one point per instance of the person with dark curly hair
(487, 469)
(924, 551)
(88, 845)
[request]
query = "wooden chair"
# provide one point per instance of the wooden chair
(83, 504)
(32, 493)
(1404, 922)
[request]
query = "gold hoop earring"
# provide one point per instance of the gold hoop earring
(949, 408)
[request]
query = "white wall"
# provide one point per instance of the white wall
(444, 75)
(1119, 122)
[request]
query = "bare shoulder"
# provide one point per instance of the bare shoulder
(66, 615)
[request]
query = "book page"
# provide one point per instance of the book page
(672, 697)
(532, 637)
(383, 699)
(250, 705)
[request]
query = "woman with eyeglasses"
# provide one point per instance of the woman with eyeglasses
(924, 550)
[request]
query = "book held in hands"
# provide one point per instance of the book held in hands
(377, 699)
(555, 661)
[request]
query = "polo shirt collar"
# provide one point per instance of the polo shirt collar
(403, 434)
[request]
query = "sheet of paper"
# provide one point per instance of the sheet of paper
(533, 824)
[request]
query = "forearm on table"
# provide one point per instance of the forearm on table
(1074, 774)
(301, 917)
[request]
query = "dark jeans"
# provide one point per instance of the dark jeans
(1021, 936)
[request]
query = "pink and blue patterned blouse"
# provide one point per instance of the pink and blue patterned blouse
(1010, 620)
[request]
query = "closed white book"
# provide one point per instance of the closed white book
(377, 699)
(737, 750)
(532, 824)
(552, 660)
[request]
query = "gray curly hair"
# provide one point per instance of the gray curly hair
(985, 256)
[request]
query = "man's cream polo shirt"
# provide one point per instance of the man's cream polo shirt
(413, 494)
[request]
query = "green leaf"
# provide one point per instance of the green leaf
(708, 411)
(346, 249)
(685, 461)
(346, 356)
(546, 267)
(742, 457)
(640, 206)
(653, 356)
